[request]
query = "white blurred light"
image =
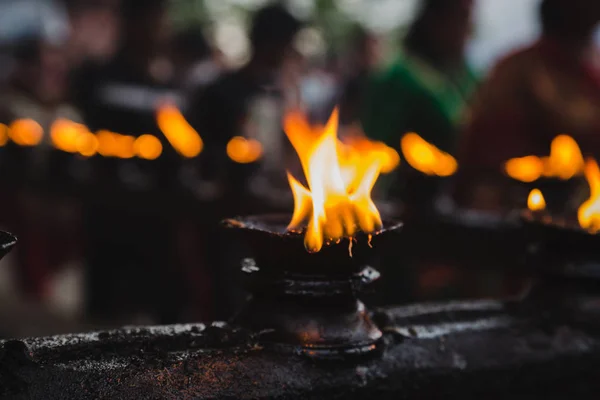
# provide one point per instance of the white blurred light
(379, 16)
(302, 9)
(250, 4)
(44, 19)
(501, 27)
(231, 39)
(310, 42)
(217, 8)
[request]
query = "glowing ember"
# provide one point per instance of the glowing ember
(244, 151)
(180, 134)
(535, 201)
(425, 157)
(340, 178)
(589, 212)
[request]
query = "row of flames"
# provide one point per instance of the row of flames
(588, 214)
(564, 162)
(340, 175)
(76, 138)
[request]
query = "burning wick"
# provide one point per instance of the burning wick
(589, 212)
(535, 201)
(340, 176)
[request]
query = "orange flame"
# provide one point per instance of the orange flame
(26, 132)
(425, 157)
(565, 161)
(180, 134)
(536, 201)
(589, 212)
(525, 169)
(244, 151)
(3, 134)
(147, 147)
(64, 134)
(389, 157)
(340, 179)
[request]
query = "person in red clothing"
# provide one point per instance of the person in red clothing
(531, 96)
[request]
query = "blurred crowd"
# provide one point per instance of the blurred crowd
(183, 139)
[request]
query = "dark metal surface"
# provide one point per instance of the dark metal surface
(7, 242)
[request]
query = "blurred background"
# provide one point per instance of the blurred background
(130, 128)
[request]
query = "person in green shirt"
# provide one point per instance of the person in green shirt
(427, 89)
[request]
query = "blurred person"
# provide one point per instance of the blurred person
(122, 94)
(534, 94)
(132, 265)
(195, 63)
(94, 30)
(246, 102)
(37, 87)
(429, 86)
(363, 60)
(37, 90)
(249, 101)
(426, 90)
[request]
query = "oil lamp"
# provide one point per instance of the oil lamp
(564, 253)
(308, 270)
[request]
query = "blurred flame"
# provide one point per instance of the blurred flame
(3, 134)
(26, 132)
(340, 178)
(387, 156)
(73, 137)
(565, 161)
(87, 144)
(111, 144)
(244, 151)
(589, 212)
(425, 157)
(525, 169)
(536, 201)
(107, 144)
(64, 134)
(124, 146)
(180, 134)
(147, 147)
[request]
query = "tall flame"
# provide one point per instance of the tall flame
(589, 212)
(340, 176)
